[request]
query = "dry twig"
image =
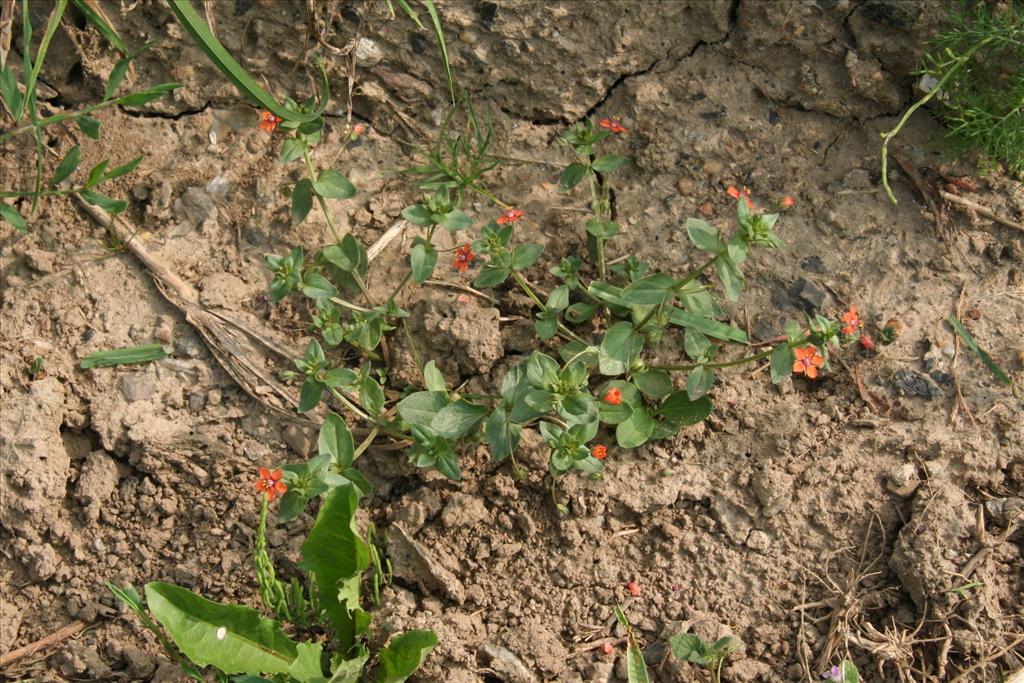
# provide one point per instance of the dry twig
(57, 636)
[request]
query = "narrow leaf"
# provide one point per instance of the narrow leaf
(67, 166)
(125, 356)
(969, 342)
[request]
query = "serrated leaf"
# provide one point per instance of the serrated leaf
(233, 638)
(404, 654)
(67, 166)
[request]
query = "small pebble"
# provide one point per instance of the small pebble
(707, 210)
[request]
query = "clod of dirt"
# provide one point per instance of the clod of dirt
(96, 482)
(34, 466)
(504, 664)
(194, 209)
(463, 510)
(462, 336)
(773, 489)
(138, 386)
(415, 564)
(806, 295)
(10, 624)
(928, 552)
(223, 290)
(910, 383)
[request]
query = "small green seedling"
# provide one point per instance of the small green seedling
(35, 370)
(689, 647)
(845, 672)
(126, 356)
(636, 667)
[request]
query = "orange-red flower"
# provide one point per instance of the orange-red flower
(510, 216)
(463, 255)
(866, 342)
(270, 483)
(613, 397)
(613, 125)
(787, 202)
(600, 452)
(268, 121)
(634, 588)
(607, 648)
(808, 360)
(736, 194)
(852, 320)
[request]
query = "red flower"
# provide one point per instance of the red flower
(736, 194)
(600, 452)
(268, 121)
(808, 360)
(510, 216)
(607, 648)
(613, 125)
(634, 589)
(613, 397)
(866, 342)
(463, 255)
(270, 483)
(787, 202)
(853, 322)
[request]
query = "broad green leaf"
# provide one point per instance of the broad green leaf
(699, 382)
(457, 419)
(333, 185)
(233, 638)
(306, 666)
(608, 163)
(619, 348)
(11, 215)
(650, 291)
(614, 414)
(67, 166)
(403, 655)
(334, 552)
(491, 276)
(525, 255)
(125, 356)
(602, 229)
(687, 647)
(541, 370)
(291, 149)
(339, 377)
(711, 328)
(349, 255)
(571, 176)
(654, 384)
(420, 409)
(422, 260)
(680, 411)
(558, 299)
(501, 435)
(335, 441)
(302, 200)
(432, 377)
(456, 220)
(986, 359)
(310, 394)
(350, 670)
(546, 325)
(316, 286)
(417, 214)
(636, 669)
(89, 125)
(371, 395)
(782, 363)
(849, 672)
(704, 236)
(731, 277)
(636, 430)
(580, 312)
(697, 345)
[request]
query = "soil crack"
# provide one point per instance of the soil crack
(170, 116)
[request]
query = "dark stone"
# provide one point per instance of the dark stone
(900, 15)
(242, 6)
(654, 654)
(813, 264)
(417, 43)
(773, 117)
(941, 378)
(806, 295)
(910, 383)
(487, 11)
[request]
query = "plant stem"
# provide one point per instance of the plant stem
(347, 402)
(525, 286)
(726, 364)
(694, 274)
(57, 118)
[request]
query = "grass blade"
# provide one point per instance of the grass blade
(969, 342)
(435, 20)
(234, 72)
(125, 356)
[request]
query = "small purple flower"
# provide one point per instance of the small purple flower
(834, 674)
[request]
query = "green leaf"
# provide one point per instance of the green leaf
(541, 370)
(420, 409)
(697, 346)
(654, 384)
(433, 378)
(614, 414)
(11, 215)
(334, 552)
(108, 204)
(204, 37)
(491, 276)
(782, 363)
(571, 176)
(650, 291)
(333, 185)
(67, 166)
(116, 76)
(310, 394)
(9, 91)
(502, 435)
(339, 377)
(704, 236)
(636, 430)
(558, 299)
(350, 670)
(96, 173)
(306, 666)
(422, 260)
(608, 163)
(316, 286)
(233, 638)
(711, 328)
(687, 647)
(636, 669)
(699, 382)
(126, 356)
(731, 277)
(146, 96)
(105, 29)
(580, 312)
(969, 342)
(619, 348)
(371, 396)
(546, 325)
(291, 149)
(679, 411)
(525, 255)
(417, 214)
(89, 125)
(403, 655)
(602, 229)
(849, 671)
(335, 441)
(302, 200)
(348, 256)
(457, 419)
(456, 220)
